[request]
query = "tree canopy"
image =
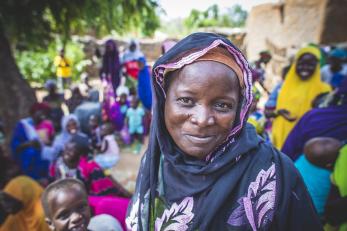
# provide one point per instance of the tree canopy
(212, 16)
(35, 22)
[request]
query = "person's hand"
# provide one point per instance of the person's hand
(286, 115)
(270, 113)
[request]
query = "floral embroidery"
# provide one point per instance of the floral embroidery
(177, 217)
(132, 220)
(258, 206)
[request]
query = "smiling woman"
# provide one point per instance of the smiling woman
(205, 168)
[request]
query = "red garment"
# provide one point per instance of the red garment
(132, 69)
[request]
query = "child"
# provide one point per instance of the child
(109, 155)
(94, 132)
(65, 203)
(75, 163)
(134, 119)
(316, 167)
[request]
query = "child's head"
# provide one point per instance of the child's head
(322, 151)
(65, 203)
(123, 98)
(106, 129)
(74, 149)
(93, 122)
(134, 102)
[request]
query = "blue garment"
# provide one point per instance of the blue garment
(317, 181)
(135, 117)
(337, 80)
(144, 86)
(29, 159)
(272, 101)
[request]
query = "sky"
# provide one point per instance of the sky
(182, 8)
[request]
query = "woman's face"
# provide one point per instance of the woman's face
(201, 107)
(306, 65)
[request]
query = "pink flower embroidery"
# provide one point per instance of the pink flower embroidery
(257, 207)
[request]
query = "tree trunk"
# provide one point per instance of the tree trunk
(16, 95)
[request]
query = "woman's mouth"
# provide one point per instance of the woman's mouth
(199, 139)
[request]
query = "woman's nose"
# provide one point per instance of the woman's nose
(203, 117)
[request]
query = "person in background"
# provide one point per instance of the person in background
(55, 101)
(70, 126)
(167, 45)
(335, 209)
(144, 84)
(336, 70)
(315, 167)
(91, 106)
(300, 87)
(28, 141)
(256, 116)
(111, 68)
(75, 100)
(134, 120)
(327, 121)
(20, 207)
(63, 66)
(76, 162)
(94, 133)
(133, 53)
(109, 152)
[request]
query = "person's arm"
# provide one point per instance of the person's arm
(335, 209)
(104, 147)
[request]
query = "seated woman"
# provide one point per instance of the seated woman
(205, 169)
(75, 163)
(70, 126)
(300, 88)
(315, 167)
(29, 142)
(20, 207)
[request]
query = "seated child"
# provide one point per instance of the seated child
(65, 203)
(66, 207)
(134, 119)
(109, 155)
(76, 163)
(94, 132)
(316, 165)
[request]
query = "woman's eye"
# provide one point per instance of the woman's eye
(223, 106)
(185, 101)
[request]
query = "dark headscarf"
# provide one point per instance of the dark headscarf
(111, 63)
(176, 190)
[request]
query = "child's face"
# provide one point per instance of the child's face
(134, 103)
(70, 155)
(69, 210)
(71, 127)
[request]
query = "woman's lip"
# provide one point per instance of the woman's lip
(199, 139)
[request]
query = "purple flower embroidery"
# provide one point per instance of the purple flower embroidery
(257, 208)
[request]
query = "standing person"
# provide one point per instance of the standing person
(144, 84)
(335, 67)
(75, 100)
(110, 69)
(205, 169)
(134, 120)
(300, 87)
(133, 52)
(55, 101)
(63, 72)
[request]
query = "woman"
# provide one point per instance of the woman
(29, 142)
(110, 69)
(20, 206)
(329, 121)
(301, 86)
(70, 126)
(204, 168)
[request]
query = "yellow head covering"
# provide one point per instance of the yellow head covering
(31, 216)
(296, 95)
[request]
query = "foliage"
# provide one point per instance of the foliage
(35, 22)
(37, 65)
(233, 17)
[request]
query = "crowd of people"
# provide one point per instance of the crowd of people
(212, 160)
